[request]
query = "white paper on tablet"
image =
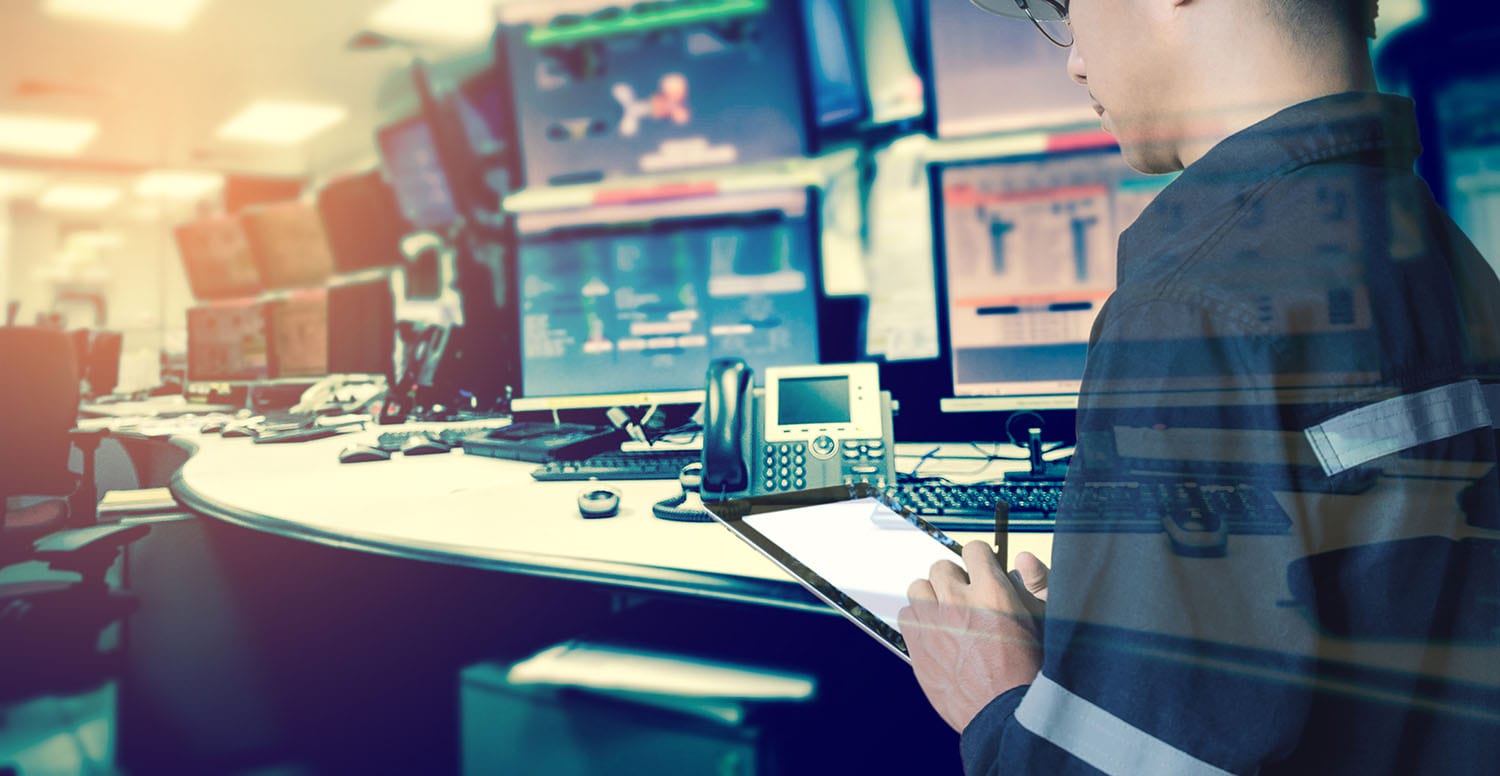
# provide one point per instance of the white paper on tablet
(857, 555)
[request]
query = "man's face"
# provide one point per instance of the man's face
(1121, 52)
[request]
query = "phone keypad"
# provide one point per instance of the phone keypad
(784, 465)
(864, 461)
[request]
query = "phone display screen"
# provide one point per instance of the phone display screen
(813, 400)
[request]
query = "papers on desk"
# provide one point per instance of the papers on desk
(156, 407)
(687, 684)
(120, 504)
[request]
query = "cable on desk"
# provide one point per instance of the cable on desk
(996, 456)
(985, 456)
(924, 459)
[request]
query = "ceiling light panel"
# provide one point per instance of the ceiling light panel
(79, 197)
(178, 184)
(446, 21)
(170, 15)
(33, 135)
(277, 122)
(93, 240)
(20, 183)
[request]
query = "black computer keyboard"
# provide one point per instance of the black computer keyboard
(1125, 507)
(643, 465)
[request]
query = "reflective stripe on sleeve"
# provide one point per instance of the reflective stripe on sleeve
(1377, 430)
(1098, 737)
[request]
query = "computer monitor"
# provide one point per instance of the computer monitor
(83, 347)
(833, 66)
(1470, 153)
(632, 312)
(298, 334)
(289, 245)
(361, 328)
(363, 222)
(217, 260)
(103, 363)
(409, 156)
(485, 111)
(1026, 250)
(987, 75)
(227, 342)
(604, 90)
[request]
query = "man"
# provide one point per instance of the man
(1293, 314)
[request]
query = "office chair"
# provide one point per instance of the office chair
(49, 630)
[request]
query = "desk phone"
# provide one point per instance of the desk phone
(809, 427)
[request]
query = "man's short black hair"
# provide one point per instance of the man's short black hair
(1321, 16)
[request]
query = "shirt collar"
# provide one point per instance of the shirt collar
(1375, 127)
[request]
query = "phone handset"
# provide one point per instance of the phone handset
(726, 418)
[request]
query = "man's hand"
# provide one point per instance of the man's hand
(972, 636)
(1031, 576)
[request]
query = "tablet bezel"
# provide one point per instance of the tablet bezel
(732, 513)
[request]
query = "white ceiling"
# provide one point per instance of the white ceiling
(160, 96)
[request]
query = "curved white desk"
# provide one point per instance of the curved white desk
(486, 513)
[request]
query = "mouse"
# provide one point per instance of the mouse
(599, 502)
(363, 453)
(424, 445)
(1196, 533)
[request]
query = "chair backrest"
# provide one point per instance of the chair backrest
(38, 406)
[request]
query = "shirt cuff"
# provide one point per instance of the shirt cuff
(979, 744)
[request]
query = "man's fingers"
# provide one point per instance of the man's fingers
(980, 559)
(947, 575)
(906, 621)
(921, 591)
(1033, 574)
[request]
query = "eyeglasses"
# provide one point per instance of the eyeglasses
(1049, 16)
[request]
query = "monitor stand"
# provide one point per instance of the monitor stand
(1041, 471)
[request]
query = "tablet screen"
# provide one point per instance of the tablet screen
(858, 555)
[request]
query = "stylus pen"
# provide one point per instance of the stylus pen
(1002, 533)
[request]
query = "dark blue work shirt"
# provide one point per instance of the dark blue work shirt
(1303, 343)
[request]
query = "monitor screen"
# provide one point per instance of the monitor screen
(1027, 250)
(483, 107)
(641, 308)
(363, 222)
(424, 276)
(837, 86)
(409, 155)
(288, 243)
(216, 257)
(987, 74)
(1470, 143)
(361, 328)
(227, 342)
(299, 334)
(103, 371)
(657, 86)
(482, 112)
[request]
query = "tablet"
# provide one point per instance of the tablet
(857, 555)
